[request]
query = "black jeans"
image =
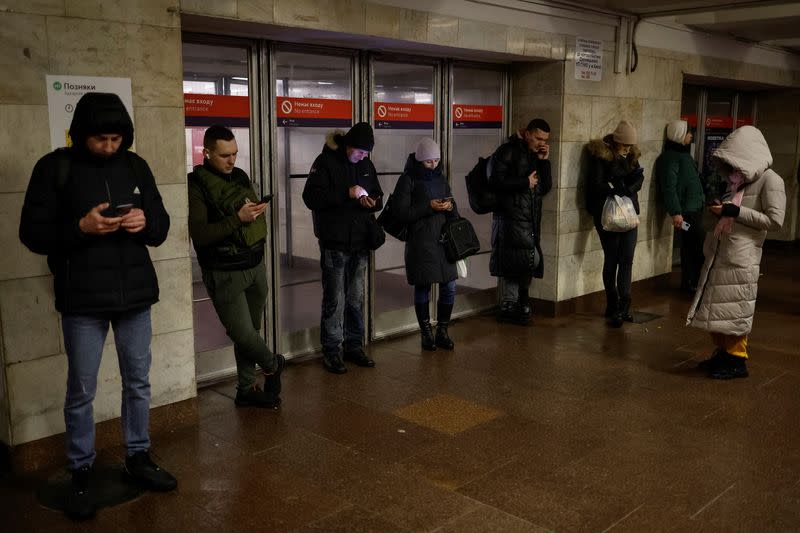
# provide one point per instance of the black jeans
(692, 249)
(618, 249)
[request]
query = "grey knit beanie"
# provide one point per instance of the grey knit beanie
(427, 149)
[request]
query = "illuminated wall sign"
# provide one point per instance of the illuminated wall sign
(391, 115)
(313, 112)
(477, 116)
(207, 109)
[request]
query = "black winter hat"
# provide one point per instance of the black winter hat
(360, 136)
(98, 113)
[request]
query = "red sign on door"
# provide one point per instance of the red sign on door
(477, 116)
(691, 120)
(389, 115)
(744, 121)
(208, 109)
(314, 112)
(719, 122)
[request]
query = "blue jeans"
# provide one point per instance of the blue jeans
(447, 293)
(84, 336)
(342, 317)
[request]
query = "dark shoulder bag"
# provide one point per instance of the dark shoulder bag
(459, 239)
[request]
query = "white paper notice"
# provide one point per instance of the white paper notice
(63, 93)
(588, 59)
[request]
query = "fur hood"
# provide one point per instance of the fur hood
(601, 149)
(333, 139)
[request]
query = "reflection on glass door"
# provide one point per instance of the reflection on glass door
(216, 91)
(313, 97)
(477, 130)
(403, 112)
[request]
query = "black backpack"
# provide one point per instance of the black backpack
(482, 198)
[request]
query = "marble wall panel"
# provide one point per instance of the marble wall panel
(173, 312)
(577, 125)
(152, 12)
(574, 220)
(413, 25)
(16, 261)
(639, 83)
(172, 375)
(607, 112)
(656, 114)
(442, 30)
(35, 7)
(161, 141)
(219, 8)
(23, 39)
(383, 21)
(482, 35)
(23, 140)
(84, 47)
(30, 322)
(256, 10)
(573, 164)
(36, 391)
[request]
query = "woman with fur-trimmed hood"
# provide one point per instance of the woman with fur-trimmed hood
(753, 204)
(614, 171)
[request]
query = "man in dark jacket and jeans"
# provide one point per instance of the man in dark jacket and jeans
(93, 209)
(343, 191)
(520, 175)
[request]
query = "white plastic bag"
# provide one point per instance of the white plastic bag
(619, 214)
(461, 265)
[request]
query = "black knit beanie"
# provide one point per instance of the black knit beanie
(360, 136)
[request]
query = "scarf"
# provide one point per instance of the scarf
(734, 194)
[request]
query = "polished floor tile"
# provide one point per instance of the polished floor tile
(564, 426)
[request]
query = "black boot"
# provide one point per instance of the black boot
(730, 367)
(524, 311)
(443, 312)
(80, 505)
(272, 382)
(425, 330)
(508, 312)
(625, 309)
(612, 305)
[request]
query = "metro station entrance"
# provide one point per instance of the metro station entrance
(282, 101)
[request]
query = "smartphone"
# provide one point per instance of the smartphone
(685, 226)
(376, 197)
(117, 211)
(446, 199)
(267, 198)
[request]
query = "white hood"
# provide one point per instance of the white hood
(747, 150)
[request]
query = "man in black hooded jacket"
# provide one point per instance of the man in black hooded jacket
(520, 176)
(93, 209)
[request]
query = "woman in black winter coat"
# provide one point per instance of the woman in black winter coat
(423, 200)
(614, 171)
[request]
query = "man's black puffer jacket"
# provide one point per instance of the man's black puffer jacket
(94, 273)
(516, 227)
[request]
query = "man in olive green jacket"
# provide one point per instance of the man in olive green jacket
(228, 229)
(682, 194)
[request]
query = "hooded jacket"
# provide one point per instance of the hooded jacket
(678, 181)
(424, 255)
(95, 273)
(725, 300)
(610, 175)
(517, 219)
(340, 222)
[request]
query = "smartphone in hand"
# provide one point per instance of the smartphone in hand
(267, 198)
(117, 210)
(685, 226)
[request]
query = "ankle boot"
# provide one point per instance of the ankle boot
(443, 312)
(525, 311)
(625, 309)
(425, 330)
(612, 305)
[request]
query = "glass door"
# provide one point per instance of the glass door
(477, 119)
(404, 110)
(313, 97)
(217, 90)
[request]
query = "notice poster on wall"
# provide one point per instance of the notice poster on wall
(207, 109)
(63, 93)
(314, 112)
(588, 59)
(400, 116)
(477, 116)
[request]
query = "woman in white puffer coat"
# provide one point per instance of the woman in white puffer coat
(753, 204)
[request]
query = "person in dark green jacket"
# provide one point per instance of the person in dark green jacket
(681, 192)
(227, 224)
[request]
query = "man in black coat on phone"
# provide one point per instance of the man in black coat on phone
(519, 173)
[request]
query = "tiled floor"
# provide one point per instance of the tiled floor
(565, 426)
